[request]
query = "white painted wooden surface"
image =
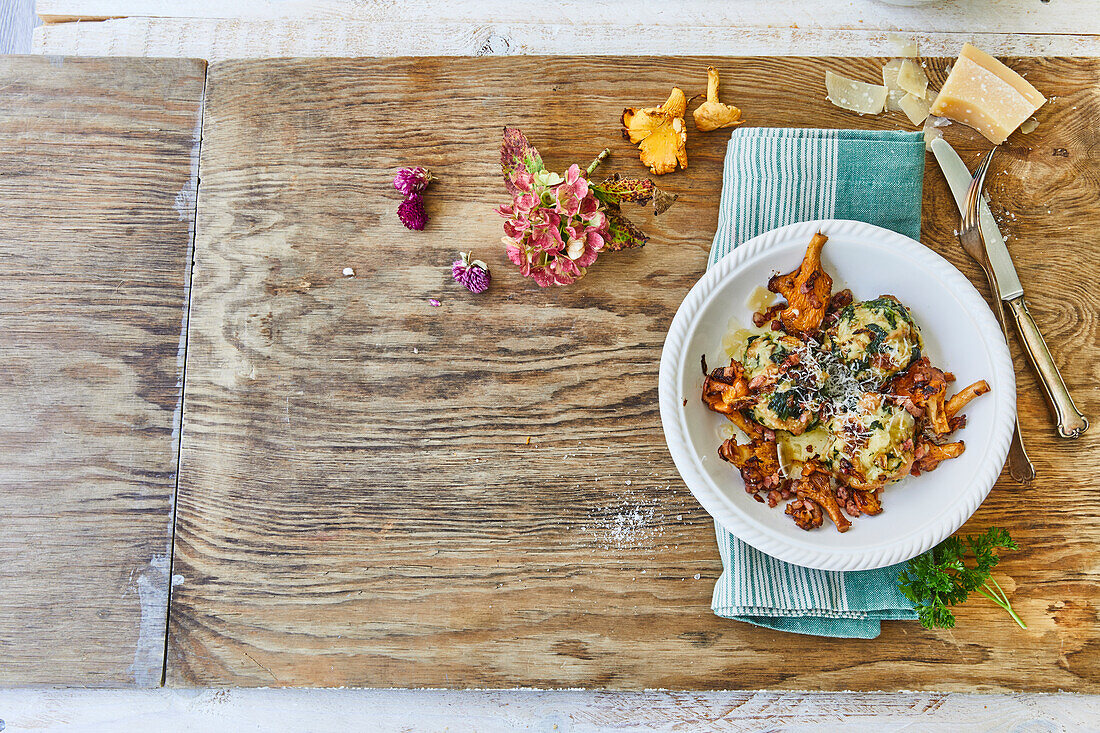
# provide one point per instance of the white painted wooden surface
(564, 711)
(216, 29)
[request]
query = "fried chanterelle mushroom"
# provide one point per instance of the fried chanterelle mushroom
(712, 114)
(814, 486)
(758, 461)
(807, 290)
(659, 133)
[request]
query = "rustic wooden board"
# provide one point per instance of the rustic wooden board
(359, 501)
(97, 183)
(216, 30)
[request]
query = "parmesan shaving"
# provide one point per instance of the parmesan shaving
(855, 96)
(890, 74)
(915, 108)
(905, 46)
(911, 78)
(932, 131)
(1029, 125)
(893, 100)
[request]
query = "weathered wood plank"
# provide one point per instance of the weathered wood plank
(359, 504)
(97, 184)
(217, 39)
(504, 711)
(977, 16)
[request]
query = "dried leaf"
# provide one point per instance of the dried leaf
(623, 233)
(617, 189)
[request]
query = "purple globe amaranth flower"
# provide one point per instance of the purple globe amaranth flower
(411, 212)
(412, 180)
(471, 274)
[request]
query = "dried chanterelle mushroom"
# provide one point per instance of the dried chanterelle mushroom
(712, 114)
(659, 133)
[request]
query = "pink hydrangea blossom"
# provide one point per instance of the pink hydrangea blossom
(554, 229)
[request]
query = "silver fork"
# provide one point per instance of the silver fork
(970, 236)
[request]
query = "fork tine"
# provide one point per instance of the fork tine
(974, 192)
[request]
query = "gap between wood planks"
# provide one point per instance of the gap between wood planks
(185, 337)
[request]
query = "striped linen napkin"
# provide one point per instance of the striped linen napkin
(774, 177)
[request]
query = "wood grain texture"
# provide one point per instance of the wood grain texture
(97, 184)
(217, 39)
(976, 16)
(505, 711)
(359, 503)
(17, 20)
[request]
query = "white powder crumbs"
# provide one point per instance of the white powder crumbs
(348, 272)
(679, 517)
(628, 482)
(629, 526)
(697, 576)
(416, 350)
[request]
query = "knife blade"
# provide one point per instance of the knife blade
(958, 178)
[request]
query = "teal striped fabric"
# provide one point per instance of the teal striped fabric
(775, 177)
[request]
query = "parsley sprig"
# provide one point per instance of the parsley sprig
(942, 578)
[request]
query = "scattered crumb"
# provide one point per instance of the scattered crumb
(416, 350)
(348, 272)
(434, 303)
(697, 576)
(528, 440)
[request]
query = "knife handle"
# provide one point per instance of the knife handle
(1071, 423)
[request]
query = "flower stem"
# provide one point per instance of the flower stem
(599, 159)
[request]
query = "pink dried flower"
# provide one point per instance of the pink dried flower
(434, 303)
(556, 226)
(411, 212)
(412, 180)
(471, 274)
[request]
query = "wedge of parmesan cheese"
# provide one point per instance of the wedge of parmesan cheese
(985, 94)
(855, 96)
(915, 108)
(911, 78)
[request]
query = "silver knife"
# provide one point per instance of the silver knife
(1071, 423)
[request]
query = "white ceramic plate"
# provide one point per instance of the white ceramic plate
(960, 335)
